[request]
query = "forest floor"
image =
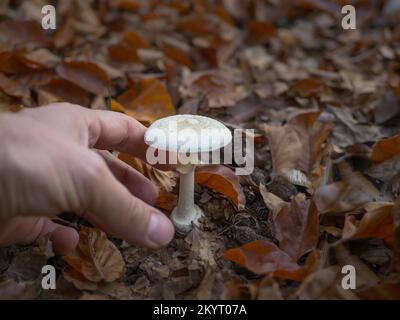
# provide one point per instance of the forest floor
(325, 106)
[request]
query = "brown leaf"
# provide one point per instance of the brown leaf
(260, 32)
(382, 291)
(297, 145)
(262, 257)
(223, 180)
(396, 221)
(123, 53)
(219, 90)
(377, 222)
(21, 32)
(63, 90)
(13, 88)
(86, 75)
(273, 202)
(166, 200)
(352, 192)
(96, 258)
(324, 284)
(386, 148)
(164, 179)
(195, 25)
(365, 276)
(135, 40)
(297, 227)
(64, 35)
(310, 87)
(150, 102)
(178, 56)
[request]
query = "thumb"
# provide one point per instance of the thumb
(121, 214)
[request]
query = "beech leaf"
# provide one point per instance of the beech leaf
(96, 258)
(223, 180)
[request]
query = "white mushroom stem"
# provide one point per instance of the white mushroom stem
(186, 213)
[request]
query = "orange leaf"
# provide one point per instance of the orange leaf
(386, 148)
(297, 227)
(377, 222)
(262, 257)
(178, 56)
(135, 40)
(96, 258)
(123, 53)
(164, 179)
(223, 180)
(149, 103)
(166, 200)
(86, 75)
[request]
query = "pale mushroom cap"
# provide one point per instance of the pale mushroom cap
(187, 133)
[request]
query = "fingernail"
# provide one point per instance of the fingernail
(160, 230)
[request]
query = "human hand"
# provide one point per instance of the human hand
(49, 164)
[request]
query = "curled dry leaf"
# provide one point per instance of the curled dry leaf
(149, 102)
(223, 180)
(297, 227)
(96, 258)
(297, 146)
(273, 202)
(352, 192)
(386, 149)
(377, 222)
(87, 75)
(166, 201)
(262, 257)
(163, 179)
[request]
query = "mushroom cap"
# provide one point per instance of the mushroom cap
(187, 133)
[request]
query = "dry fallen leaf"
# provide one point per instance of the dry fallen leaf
(86, 75)
(219, 90)
(310, 87)
(297, 227)
(223, 180)
(297, 146)
(163, 179)
(96, 258)
(386, 148)
(149, 102)
(377, 222)
(262, 257)
(353, 191)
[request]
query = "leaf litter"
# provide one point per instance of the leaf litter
(325, 104)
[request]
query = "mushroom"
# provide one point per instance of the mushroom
(188, 137)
